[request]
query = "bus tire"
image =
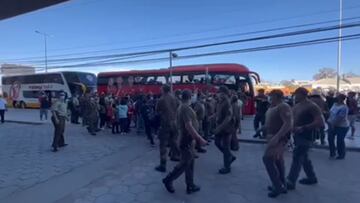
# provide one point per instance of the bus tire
(22, 105)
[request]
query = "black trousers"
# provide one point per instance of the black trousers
(123, 124)
(206, 128)
(234, 140)
(301, 160)
(223, 143)
(115, 127)
(74, 116)
(259, 119)
(102, 120)
(276, 171)
(128, 123)
(186, 165)
(58, 132)
(2, 115)
(340, 134)
(148, 130)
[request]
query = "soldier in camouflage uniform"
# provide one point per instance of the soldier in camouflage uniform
(166, 108)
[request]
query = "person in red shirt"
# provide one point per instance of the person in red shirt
(131, 112)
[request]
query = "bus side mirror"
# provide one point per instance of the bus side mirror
(255, 76)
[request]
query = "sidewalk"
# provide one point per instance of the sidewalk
(32, 116)
(25, 116)
(248, 133)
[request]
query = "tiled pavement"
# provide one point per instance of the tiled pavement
(111, 168)
(247, 182)
(26, 158)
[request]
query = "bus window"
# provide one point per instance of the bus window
(87, 78)
(103, 80)
(176, 79)
(160, 80)
(188, 78)
(242, 78)
(244, 87)
(33, 79)
(150, 80)
(224, 79)
(31, 94)
(200, 78)
(138, 80)
(130, 81)
(53, 78)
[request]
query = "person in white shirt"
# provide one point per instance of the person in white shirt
(3, 108)
(338, 127)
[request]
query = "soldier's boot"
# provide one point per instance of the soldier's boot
(168, 183)
(174, 156)
(161, 167)
(192, 189)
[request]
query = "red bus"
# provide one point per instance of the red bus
(204, 78)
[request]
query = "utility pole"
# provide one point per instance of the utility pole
(171, 56)
(45, 42)
(339, 48)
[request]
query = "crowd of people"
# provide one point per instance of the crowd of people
(304, 120)
(183, 121)
(324, 102)
(186, 121)
(142, 112)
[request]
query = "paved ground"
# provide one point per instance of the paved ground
(25, 115)
(26, 158)
(111, 168)
(32, 116)
(247, 183)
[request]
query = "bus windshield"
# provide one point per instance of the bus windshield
(80, 82)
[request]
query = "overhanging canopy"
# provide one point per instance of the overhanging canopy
(11, 8)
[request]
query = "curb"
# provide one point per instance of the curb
(350, 149)
(251, 141)
(24, 122)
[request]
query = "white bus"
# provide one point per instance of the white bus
(23, 91)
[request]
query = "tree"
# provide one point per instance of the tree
(325, 73)
(287, 83)
(351, 75)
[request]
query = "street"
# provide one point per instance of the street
(113, 168)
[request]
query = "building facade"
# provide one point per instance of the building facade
(346, 84)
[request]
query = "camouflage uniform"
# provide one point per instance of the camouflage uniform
(93, 117)
(166, 108)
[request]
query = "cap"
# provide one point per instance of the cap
(166, 88)
(224, 89)
(186, 95)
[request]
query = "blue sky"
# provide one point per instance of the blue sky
(104, 25)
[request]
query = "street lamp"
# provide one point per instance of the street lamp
(171, 56)
(339, 48)
(45, 41)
